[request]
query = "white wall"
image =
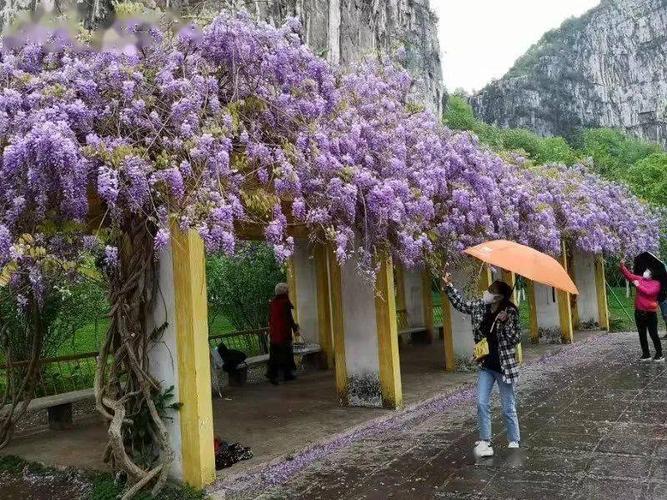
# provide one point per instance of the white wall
(163, 355)
(587, 301)
(306, 291)
(464, 342)
(412, 282)
(361, 343)
(546, 305)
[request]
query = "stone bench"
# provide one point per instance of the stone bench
(415, 334)
(219, 379)
(306, 350)
(58, 407)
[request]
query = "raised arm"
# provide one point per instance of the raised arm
(459, 302)
(628, 275)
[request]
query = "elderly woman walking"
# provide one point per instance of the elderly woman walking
(281, 328)
(495, 318)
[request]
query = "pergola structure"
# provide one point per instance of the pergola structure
(355, 324)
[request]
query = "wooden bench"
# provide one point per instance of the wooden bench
(255, 344)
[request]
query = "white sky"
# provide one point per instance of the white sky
(481, 39)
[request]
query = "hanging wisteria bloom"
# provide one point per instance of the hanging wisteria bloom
(240, 123)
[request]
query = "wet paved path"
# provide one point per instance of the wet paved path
(593, 422)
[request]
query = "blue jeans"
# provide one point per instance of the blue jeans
(485, 382)
(663, 310)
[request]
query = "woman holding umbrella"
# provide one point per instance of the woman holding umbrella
(496, 319)
(646, 307)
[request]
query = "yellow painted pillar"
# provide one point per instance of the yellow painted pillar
(485, 278)
(336, 290)
(601, 288)
(291, 283)
(448, 334)
(323, 305)
(194, 371)
(573, 298)
(534, 328)
(565, 305)
(427, 304)
(387, 334)
(510, 278)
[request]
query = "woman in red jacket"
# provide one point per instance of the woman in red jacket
(281, 327)
(646, 307)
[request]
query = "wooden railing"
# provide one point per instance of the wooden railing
(59, 374)
(70, 373)
(251, 342)
(62, 374)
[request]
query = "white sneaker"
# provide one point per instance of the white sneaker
(513, 444)
(646, 360)
(661, 359)
(483, 449)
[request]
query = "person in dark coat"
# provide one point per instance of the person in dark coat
(281, 328)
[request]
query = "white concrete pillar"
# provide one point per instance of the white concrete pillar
(365, 337)
(462, 334)
(163, 355)
(585, 279)
(361, 343)
(546, 305)
(305, 281)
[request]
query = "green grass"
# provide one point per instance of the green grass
(86, 339)
(221, 325)
(621, 315)
(90, 337)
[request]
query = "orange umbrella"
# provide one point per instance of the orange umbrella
(526, 261)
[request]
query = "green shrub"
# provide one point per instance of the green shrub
(612, 151)
(240, 287)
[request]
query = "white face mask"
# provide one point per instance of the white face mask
(647, 274)
(489, 298)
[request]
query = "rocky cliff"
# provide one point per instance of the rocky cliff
(607, 68)
(343, 31)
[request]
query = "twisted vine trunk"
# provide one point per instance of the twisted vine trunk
(21, 378)
(125, 392)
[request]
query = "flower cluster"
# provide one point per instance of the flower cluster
(239, 123)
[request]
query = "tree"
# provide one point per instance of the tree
(648, 178)
(240, 286)
(612, 151)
